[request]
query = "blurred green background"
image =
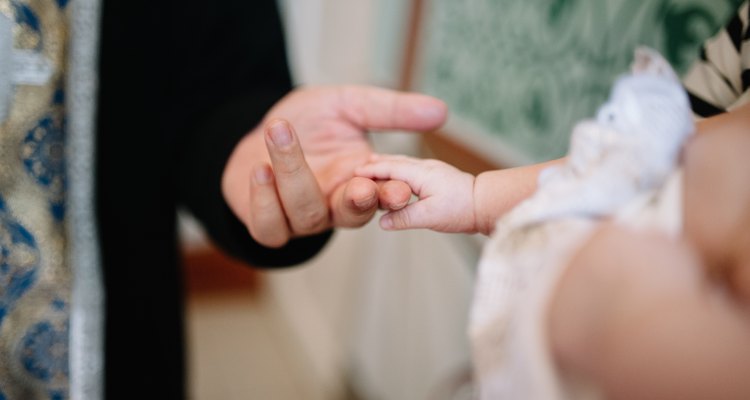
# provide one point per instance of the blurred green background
(518, 74)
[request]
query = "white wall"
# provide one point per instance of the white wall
(338, 41)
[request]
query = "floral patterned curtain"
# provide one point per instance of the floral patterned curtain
(518, 74)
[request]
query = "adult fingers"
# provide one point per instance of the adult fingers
(378, 108)
(302, 200)
(267, 223)
(354, 203)
(393, 195)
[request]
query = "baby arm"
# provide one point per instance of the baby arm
(450, 200)
(635, 314)
(648, 316)
(717, 197)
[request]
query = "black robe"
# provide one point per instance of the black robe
(180, 83)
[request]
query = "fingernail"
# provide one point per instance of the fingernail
(262, 175)
(280, 134)
(386, 222)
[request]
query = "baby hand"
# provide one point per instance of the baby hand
(445, 194)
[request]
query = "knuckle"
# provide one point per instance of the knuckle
(312, 220)
(290, 164)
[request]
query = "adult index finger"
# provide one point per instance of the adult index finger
(303, 202)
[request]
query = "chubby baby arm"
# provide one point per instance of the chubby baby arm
(635, 314)
(648, 316)
(445, 194)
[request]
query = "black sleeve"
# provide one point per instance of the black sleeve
(235, 70)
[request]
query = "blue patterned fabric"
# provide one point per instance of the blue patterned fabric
(19, 261)
(34, 276)
(42, 154)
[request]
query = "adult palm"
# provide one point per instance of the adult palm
(300, 181)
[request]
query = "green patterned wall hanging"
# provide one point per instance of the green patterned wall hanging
(518, 74)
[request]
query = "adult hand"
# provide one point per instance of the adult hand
(279, 192)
